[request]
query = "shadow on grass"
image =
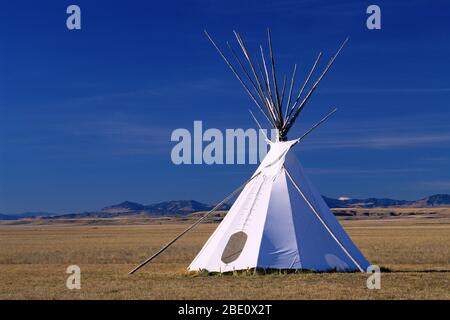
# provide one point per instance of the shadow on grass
(420, 271)
(261, 272)
(270, 271)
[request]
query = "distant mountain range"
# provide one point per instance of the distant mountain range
(128, 208)
(186, 207)
(177, 207)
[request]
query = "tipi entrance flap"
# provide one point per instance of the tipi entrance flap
(234, 247)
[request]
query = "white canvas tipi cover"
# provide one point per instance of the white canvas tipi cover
(279, 221)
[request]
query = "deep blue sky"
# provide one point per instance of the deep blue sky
(86, 116)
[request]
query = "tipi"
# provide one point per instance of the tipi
(279, 220)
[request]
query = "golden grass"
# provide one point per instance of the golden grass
(33, 260)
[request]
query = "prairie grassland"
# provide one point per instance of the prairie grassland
(34, 257)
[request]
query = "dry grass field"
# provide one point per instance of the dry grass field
(34, 257)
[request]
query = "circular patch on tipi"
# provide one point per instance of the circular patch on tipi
(234, 247)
